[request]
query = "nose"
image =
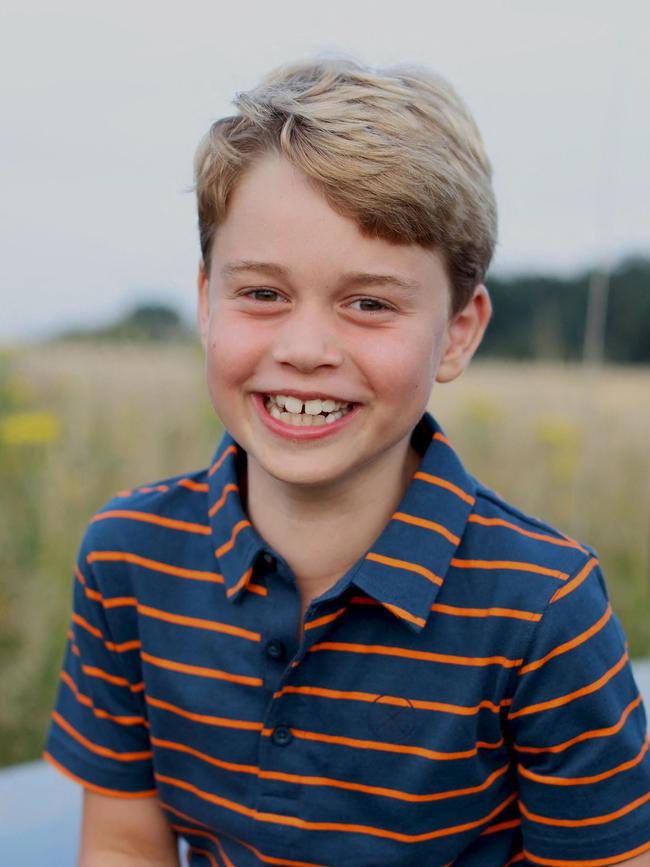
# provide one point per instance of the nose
(308, 340)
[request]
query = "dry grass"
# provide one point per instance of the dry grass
(78, 423)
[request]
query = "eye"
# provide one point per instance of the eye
(369, 305)
(262, 294)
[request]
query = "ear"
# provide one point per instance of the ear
(464, 334)
(203, 303)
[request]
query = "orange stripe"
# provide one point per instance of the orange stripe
(449, 486)
(200, 671)
(583, 823)
(93, 671)
(116, 648)
(363, 600)
(427, 525)
(385, 650)
(119, 601)
(227, 546)
(575, 582)
(585, 736)
(380, 746)
(222, 499)
(223, 722)
(382, 791)
(396, 701)
(257, 588)
(155, 565)
(542, 537)
(569, 645)
(294, 821)
(515, 859)
(322, 621)
(598, 862)
(112, 602)
(232, 591)
(199, 623)
(124, 647)
(81, 621)
(441, 438)
(202, 487)
(87, 701)
(208, 855)
(405, 615)
(149, 518)
(148, 489)
(571, 696)
(218, 763)
(404, 564)
(231, 450)
(96, 748)
(580, 781)
(486, 612)
(508, 564)
(113, 793)
(501, 826)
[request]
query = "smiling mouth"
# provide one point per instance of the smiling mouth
(305, 413)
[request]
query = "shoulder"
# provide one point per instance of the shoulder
(525, 556)
(147, 521)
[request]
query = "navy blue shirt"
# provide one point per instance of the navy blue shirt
(461, 695)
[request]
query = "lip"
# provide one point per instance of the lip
(291, 432)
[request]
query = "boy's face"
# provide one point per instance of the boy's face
(300, 303)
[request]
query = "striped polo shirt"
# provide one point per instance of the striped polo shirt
(461, 696)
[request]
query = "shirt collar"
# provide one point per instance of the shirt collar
(236, 542)
(404, 568)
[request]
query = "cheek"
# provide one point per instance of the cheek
(404, 365)
(233, 351)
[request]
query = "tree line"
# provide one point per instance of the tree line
(543, 317)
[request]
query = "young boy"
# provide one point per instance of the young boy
(334, 646)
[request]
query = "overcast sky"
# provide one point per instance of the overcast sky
(102, 105)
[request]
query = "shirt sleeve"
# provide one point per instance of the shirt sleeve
(99, 732)
(578, 731)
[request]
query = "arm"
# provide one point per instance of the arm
(119, 832)
(641, 861)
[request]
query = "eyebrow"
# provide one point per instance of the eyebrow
(352, 279)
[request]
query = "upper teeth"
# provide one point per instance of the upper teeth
(289, 409)
(311, 407)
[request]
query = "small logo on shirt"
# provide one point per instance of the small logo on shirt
(391, 717)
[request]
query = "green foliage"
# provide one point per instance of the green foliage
(541, 317)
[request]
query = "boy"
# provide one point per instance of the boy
(334, 647)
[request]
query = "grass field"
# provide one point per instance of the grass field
(77, 423)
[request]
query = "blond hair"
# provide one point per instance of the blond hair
(396, 150)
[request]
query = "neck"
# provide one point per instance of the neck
(321, 531)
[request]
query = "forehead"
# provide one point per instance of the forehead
(277, 215)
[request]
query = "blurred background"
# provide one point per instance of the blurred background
(101, 382)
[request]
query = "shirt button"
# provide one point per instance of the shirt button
(282, 735)
(268, 558)
(275, 649)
